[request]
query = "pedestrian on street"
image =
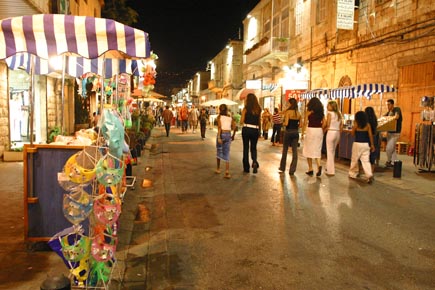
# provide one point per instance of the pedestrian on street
(292, 123)
(167, 119)
(203, 119)
(333, 128)
(373, 121)
(277, 125)
(314, 135)
(225, 124)
(193, 118)
(184, 116)
(251, 130)
(266, 119)
(393, 136)
(361, 147)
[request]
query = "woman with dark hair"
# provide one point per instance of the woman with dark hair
(251, 128)
(314, 135)
(373, 121)
(292, 122)
(225, 124)
(361, 147)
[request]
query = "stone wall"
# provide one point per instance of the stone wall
(4, 110)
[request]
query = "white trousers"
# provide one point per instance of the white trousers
(360, 151)
(390, 149)
(332, 139)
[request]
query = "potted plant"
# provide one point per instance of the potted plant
(13, 153)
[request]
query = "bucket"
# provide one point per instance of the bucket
(57, 282)
(397, 169)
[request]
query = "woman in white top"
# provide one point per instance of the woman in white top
(333, 127)
(226, 124)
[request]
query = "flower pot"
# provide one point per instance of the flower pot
(13, 156)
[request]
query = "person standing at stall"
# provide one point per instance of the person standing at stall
(251, 130)
(393, 136)
(292, 122)
(314, 135)
(333, 128)
(361, 147)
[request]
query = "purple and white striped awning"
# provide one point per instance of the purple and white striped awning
(75, 66)
(48, 35)
(343, 92)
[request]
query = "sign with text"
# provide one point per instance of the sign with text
(345, 14)
(253, 84)
(293, 94)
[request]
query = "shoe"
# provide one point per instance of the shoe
(255, 166)
(217, 171)
(370, 180)
(291, 173)
(281, 170)
(310, 173)
(246, 171)
(389, 164)
(319, 172)
(227, 175)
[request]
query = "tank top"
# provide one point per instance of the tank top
(252, 119)
(362, 136)
(225, 123)
(334, 124)
(314, 121)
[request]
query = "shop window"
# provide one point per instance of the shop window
(321, 11)
(298, 17)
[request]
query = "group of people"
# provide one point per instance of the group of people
(185, 117)
(316, 124)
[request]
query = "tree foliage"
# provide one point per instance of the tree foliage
(119, 11)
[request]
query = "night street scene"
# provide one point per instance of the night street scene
(229, 145)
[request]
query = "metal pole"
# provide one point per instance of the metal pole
(62, 94)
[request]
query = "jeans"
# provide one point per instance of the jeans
(276, 133)
(167, 127)
(250, 139)
(291, 138)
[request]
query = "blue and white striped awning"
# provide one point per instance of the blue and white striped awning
(47, 35)
(75, 66)
(317, 93)
(342, 92)
(368, 90)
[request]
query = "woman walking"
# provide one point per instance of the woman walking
(333, 128)
(225, 124)
(292, 122)
(251, 122)
(373, 121)
(361, 147)
(266, 118)
(314, 135)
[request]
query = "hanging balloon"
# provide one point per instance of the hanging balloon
(109, 170)
(75, 247)
(80, 167)
(77, 206)
(100, 271)
(81, 272)
(107, 209)
(103, 247)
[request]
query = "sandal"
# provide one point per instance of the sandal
(217, 171)
(227, 175)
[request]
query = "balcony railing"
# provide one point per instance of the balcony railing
(274, 46)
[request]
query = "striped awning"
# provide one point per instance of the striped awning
(343, 92)
(48, 35)
(75, 66)
(368, 90)
(317, 93)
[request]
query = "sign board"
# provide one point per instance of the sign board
(253, 84)
(293, 94)
(345, 14)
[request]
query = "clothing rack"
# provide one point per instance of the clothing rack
(424, 157)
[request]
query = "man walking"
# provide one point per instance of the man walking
(393, 136)
(167, 118)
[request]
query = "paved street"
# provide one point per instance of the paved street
(189, 228)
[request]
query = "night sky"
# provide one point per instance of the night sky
(186, 34)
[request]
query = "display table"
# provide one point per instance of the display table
(43, 196)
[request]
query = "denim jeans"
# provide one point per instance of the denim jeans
(291, 138)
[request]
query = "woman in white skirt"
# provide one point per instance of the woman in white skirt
(314, 135)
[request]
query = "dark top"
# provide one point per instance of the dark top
(314, 121)
(399, 121)
(362, 136)
(252, 119)
(292, 124)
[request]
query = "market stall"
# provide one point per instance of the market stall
(64, 184)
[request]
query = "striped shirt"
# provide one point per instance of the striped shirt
(276, 118)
